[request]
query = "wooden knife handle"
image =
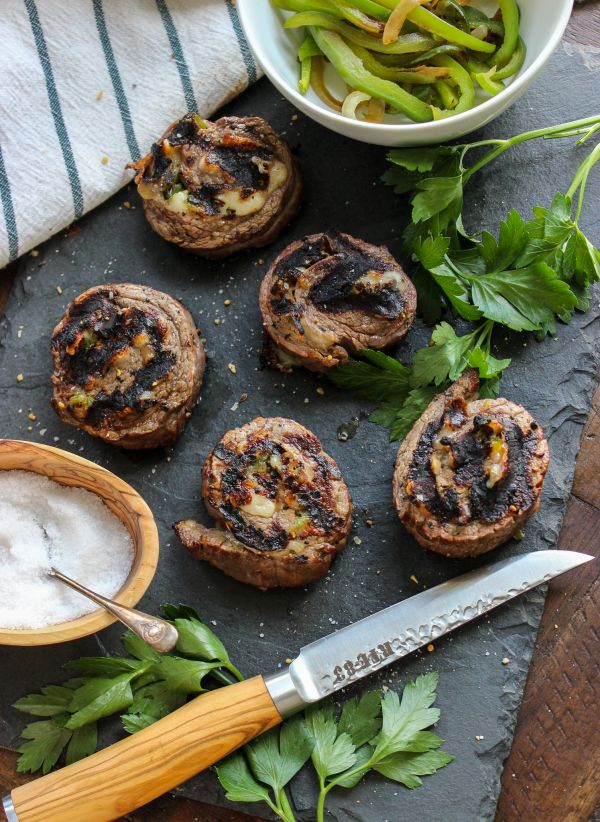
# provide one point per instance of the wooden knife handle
(141, 767)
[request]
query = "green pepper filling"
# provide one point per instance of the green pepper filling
(88, 340)
(173, 189)
(299, 525)
(81, 400)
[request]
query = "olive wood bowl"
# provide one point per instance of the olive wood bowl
(123, 501)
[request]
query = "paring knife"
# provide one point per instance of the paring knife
(141, 767)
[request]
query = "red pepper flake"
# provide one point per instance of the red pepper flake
(72, 231)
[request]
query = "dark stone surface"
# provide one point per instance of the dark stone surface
(477, 694)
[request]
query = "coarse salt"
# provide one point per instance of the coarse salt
(45, 524)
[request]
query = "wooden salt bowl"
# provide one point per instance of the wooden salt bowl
(123, 501)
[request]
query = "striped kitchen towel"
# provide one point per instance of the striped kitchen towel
(87, 85)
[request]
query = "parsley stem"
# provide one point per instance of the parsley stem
(235, 671)
(323, 791)
(321, 804)
(482, 143)
(278, 810)
(484, 340)
(284, 806)
(220, 676)
(504, 145)
(589, 132)
(580, 179)
(325, 787)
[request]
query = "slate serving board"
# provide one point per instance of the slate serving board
(478, 695)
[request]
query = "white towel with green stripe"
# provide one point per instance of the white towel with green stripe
(85, 88)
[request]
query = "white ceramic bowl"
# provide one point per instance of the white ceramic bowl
(542, 25)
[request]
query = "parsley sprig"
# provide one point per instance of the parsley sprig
(141, 688)
(261, 771)
(438, 175)
(374, 732)
(404, 393)
(536, 273)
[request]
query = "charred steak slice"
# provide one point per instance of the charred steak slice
(330, 295)
(215, 188)
(128, 365)
(470, 472)
(282, 507)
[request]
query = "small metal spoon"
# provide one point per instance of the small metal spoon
(157, 633)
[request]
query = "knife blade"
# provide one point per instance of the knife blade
(137, 769)
(358, 650)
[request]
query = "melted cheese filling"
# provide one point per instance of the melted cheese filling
(443, 464)
(259, 506)
(178, 203)
(317, 337)
(496, 462)
(284, 510)
(229, 201)
(378, 279)
(234, 201)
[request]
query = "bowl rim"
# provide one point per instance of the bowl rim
(487, 107)
(146, 551)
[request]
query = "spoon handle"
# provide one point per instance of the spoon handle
(157, 633)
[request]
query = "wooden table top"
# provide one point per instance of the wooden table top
(553, 770)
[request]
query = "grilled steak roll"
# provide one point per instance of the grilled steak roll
(282, 507)
(327, 296)
(216, 188)
(470, 472)
(128, 365)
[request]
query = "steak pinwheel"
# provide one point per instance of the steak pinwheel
(128, 365)
(216, 188)
(470, 472)
(327, 296)
(283, 510)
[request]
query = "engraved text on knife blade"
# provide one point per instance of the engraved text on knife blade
(413, 638)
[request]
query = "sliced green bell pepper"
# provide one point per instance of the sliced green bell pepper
(425, 19)
(422, 75)
(510, 20)
(353, 72)
(514, 64)
(307, 50)
(461, 77)
(405, 44)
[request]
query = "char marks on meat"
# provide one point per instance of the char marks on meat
(282, 508)
(330, 295)
(470, 472)
(216, 188)
(128, 365)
